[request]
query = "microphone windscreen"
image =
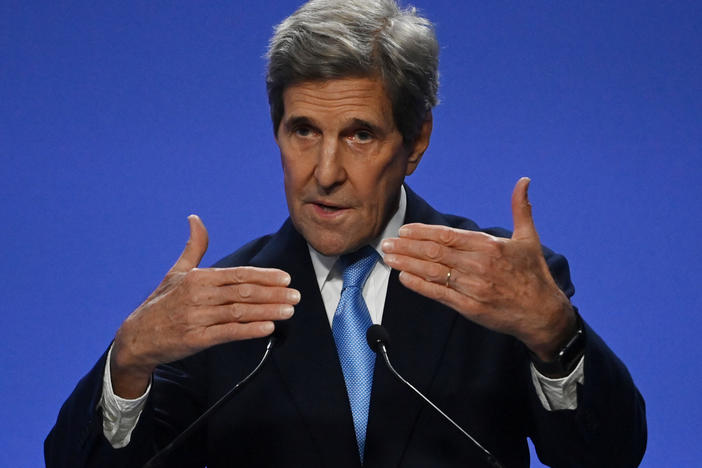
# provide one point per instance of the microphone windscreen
(282, 329)
(375, 335)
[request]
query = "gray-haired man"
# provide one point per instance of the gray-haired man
(478, 317)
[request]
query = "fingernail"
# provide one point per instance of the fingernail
(286, 311)
(404, 231)
(267, 327)
(389, 258)
(386, 245)
(294, 296)
(285, 280)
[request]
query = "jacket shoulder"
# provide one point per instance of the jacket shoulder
(244, 254)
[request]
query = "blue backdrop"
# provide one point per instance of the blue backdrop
(118, 119)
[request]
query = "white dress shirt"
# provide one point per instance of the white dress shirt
(120, 416)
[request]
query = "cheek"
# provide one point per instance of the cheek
(298, 181)
(291, 168)
(380, 191)
(388, 185)
(290, 184)
(390, 177)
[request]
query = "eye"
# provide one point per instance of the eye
(363, 135)
(303, 131)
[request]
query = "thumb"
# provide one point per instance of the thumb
(521, 212)
(196, 246)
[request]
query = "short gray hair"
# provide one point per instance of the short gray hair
(330, 39)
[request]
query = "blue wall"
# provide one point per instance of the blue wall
(119, 119)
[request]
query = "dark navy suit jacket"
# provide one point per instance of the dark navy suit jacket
(296, 412)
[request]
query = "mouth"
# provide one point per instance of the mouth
(327, 209)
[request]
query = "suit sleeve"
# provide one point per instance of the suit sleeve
(77, 439)
(608, 427)
(178, 396)
(79, 423)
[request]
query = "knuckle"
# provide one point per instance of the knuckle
(433, 251)
(484, 289)
(237, 275)
(200, 296)
(440, 293)
(245, 291)
(195, 296)
(446, 235)
(494, 245)
(480, 267)
(435, 272)
(237, 312)
(192, 340)
(190, 320)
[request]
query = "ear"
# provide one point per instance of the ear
(421, 143)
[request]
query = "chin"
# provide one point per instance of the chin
(333, 245)
(330, 249)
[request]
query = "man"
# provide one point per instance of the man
(477, 318)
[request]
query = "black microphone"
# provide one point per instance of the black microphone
(276, 339)
(378, 340)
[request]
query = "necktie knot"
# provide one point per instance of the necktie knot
(358, 265)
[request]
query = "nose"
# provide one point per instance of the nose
(329, 171)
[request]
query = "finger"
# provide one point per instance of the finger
(425, 250)
(225, 332)
(428, 270)
(441, 293)
(195, 248)
(245, 274)
(245, 313)
(255, 294)
(521, 212)
(451, 237)
(467, 260)
(467, 279)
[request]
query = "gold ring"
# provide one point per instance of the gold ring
(448, 278)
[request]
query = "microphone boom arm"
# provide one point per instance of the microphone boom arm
(379, 344)
(154, 462)
(378, 338)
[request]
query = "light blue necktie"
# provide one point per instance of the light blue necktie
(351, 320)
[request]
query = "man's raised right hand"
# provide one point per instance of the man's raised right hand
(193, 309)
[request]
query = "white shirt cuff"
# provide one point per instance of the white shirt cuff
(561, 393)
(119, 415)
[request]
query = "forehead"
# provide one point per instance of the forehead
(344, 98)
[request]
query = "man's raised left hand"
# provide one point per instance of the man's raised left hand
(502, 284)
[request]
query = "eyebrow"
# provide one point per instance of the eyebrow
(299, 120)
(294, 121)
(364, 123)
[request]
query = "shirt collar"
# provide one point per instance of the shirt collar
(324, 264)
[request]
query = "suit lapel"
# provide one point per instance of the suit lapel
(307, 360)
(419, 329)
(309, 366)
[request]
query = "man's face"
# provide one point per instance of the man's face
(343, 161)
